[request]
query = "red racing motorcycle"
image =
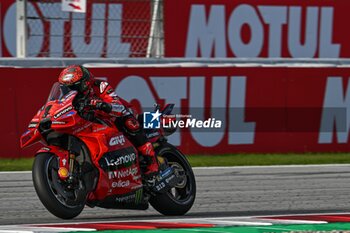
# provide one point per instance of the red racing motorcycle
(91, 162)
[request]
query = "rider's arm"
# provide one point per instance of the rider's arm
(106, 93)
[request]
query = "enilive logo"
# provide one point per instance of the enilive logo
(117, 140)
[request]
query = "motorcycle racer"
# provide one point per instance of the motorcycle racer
(107, 104)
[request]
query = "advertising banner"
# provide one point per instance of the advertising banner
(109, 28)
(193, 28)
(221, 109)
(265, 28)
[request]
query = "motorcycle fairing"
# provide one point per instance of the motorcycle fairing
(63, 155)
(106, 147)
(53, 108)
(121, 163)
(32, 135)
(122, 169)
(133, 200)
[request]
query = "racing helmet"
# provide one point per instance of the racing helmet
(76, 77)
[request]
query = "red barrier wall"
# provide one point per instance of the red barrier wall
(249, 28)
(265, 109)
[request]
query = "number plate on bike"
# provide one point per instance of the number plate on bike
(165, 181)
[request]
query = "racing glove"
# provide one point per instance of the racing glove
(100, 105)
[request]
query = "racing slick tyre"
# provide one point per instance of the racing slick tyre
(59, 198)
(178, 200)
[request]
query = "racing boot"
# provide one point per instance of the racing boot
(152, 167)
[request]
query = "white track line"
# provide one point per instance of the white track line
(60, 229)
(274, 166)
(308, 214)
(239, 223)
(27, 228)
(16, 172)
(287, 221)
(15, 231)
(229, 167)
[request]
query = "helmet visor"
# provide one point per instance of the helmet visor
(80, 86)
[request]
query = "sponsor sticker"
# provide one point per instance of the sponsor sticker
(131, 171)
(128, 198)
(82, 128)
(117, 140)
(103, 86)
(151, 135)
(62, 112)
(135, 197)
(68, 96)
(32, 124)
(59, 123)
(122, 160)
(121, 184)
(99, 129)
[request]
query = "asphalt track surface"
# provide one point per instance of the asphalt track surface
(221, 192)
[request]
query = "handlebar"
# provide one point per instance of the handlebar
(86, 110)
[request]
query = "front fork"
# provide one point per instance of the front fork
(66, 160)
(71, 163)
(70, 169)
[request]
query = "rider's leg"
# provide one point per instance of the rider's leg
(148, 150)
(135, 133)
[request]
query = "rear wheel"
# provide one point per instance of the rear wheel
(63, 199)
(178, 200)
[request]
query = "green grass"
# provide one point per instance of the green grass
(16, 164)
(268, 159)
(223, 160)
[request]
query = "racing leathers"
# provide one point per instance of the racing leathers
(108, 104)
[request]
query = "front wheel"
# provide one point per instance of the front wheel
(59, 197)
(178, 200)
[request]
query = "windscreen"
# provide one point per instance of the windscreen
(57, 92)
